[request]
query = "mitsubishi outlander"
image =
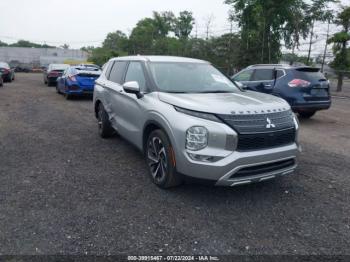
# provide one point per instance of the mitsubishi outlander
(190, 120)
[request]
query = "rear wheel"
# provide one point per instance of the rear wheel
(161, 160)
(307, 114)
(105, 128)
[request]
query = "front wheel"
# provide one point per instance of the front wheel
(67, 96)
(308, 114)
(58, 90)
(161, 160)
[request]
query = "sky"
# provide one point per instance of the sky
(87, 22)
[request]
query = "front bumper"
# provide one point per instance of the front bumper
(224, 170)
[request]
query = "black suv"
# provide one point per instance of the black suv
(305, 88)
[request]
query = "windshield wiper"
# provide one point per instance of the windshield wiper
(215, 91)
(175, 92)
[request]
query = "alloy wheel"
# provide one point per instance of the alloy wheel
(157, 159)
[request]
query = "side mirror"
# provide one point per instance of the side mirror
(242, 86)
(132, 87)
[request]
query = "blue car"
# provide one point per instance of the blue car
(305, 88)
(77, 81)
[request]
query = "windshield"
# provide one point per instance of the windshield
(175, 77)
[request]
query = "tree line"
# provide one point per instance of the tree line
(264, 26)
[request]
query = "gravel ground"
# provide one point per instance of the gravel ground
(63, 190)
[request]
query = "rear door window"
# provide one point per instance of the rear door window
(117, 72)
(263, 75)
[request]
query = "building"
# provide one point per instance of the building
(39, 57)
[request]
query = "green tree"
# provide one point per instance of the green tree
(317, 11)
(292, 58)
(184, 24)
(116, 41)
(163, 23)
(101, 55)
(340, 40)
(25, 43)
(3, 43)
(65, 46)
(264, 23)
(142, 37)
(261, 23)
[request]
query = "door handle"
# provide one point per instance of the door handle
(267, 85)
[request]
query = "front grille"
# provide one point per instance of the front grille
(255, 123)
(264, 168)
(262, 131)
(265, 140)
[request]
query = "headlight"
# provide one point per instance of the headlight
(196, 138)
(207, 116)
(296, 121)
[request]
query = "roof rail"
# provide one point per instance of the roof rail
(267, 65)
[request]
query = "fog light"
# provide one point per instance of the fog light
(201, 157)
(196, 138)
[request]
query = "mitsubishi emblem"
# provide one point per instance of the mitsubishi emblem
(269, 123)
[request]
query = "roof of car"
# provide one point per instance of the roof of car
(160, 59)
(279, 66)
(285, 66)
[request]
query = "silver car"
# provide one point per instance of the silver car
(191, 121)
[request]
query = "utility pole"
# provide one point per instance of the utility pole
(325, 48)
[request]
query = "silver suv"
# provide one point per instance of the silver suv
(191, 121)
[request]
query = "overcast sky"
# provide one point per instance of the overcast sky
(87, 22)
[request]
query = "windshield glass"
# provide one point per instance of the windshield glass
(175, 77)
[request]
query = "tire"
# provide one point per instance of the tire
(67, 96)
(307, 114)
(9, 79)
(57, 90)
(105, 128)
(160, 159)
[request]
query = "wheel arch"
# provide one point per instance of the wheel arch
(149, 127)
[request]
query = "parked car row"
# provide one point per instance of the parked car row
(73, 80)
(191, 122)
(305, 88)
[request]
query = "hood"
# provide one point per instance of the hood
(247, 102)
